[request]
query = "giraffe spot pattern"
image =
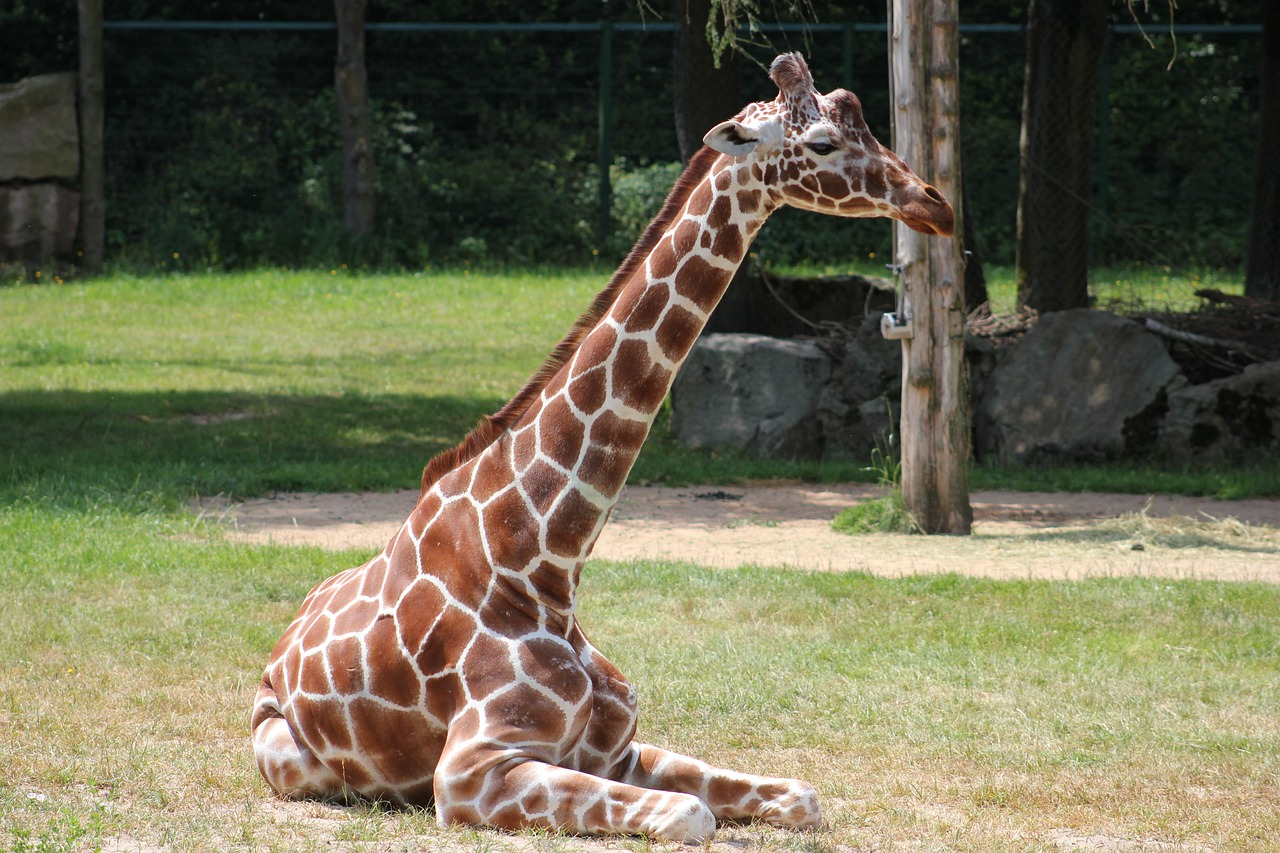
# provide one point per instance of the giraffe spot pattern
(451, 666)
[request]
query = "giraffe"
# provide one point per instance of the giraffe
(451, 669)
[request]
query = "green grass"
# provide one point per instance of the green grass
(886, 514)
(148, 391)
(249, 383)
(1136, 708)
(944, 712)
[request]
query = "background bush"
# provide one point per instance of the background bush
(222, 146)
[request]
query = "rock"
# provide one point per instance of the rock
(38, 135)
(1226, 417)
(786, 306)
(37, 222)
(750, 392)
(1080, 384)
(857, 409)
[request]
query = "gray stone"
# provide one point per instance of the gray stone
(1080, 384)
(857, 410)
(750, 392)
(1227, 417)
(38, 135)
(37, 222)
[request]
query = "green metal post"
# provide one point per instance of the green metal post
(605, 130)
(846, 40)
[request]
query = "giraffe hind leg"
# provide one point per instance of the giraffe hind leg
(286, 763)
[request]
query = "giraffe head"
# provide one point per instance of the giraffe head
(815, 152)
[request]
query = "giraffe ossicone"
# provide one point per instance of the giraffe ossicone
(451, 668)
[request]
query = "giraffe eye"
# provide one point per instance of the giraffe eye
(821, 147)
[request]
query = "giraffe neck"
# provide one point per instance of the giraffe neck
(564, 458)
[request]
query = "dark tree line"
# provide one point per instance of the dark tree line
(1262, 273)
(42, 36)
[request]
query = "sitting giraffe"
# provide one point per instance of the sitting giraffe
(451, 668)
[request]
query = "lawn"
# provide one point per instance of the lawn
(158, 389)
(939, 712)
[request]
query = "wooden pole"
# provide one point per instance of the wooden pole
(924, 54)
(93, 229)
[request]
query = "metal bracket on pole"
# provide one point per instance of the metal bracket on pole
(893, 328)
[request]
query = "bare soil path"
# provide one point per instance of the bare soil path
(1016, 534)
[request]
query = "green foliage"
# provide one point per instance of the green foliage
(887, 514)
(1180, 177)
(637, 195)
(222, 146)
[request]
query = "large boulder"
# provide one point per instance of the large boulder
(1227, 417)
(38, 135)
(1080, 384)
(37, 222)
(750, 392)
(857, 409)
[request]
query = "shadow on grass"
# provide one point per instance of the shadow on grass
(77, 448)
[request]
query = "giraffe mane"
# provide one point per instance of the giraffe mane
(491, 426)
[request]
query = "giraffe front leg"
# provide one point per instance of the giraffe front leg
(788, 803)
(508, 791)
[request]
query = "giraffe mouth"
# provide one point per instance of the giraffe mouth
(935, 218)
(933, 226)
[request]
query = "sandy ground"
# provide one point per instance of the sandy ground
(1016, 534)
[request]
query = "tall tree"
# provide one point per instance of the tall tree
(1262, 275)
(924, 59)
(1064, 46)
(707, 86)
(351, 81)
(92, 175)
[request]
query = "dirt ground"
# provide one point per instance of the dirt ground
(1016, 534)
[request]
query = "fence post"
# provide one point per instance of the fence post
(604, 153)
(846, 54)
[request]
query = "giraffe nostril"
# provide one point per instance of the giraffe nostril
(934, 194)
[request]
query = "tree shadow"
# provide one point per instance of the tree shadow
(73, 448)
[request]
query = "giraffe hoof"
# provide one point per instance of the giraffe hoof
(795, 808)
(689, 821)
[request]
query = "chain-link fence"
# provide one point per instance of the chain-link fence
(221, 140)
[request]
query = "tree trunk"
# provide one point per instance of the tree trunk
(1262, 275)
(92, 174)
(1064, 45)
(704, 94)
(352, 84)
(924, 55)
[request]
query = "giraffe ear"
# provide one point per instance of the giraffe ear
(732, 137)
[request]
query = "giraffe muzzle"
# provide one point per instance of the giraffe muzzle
(929, 214)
